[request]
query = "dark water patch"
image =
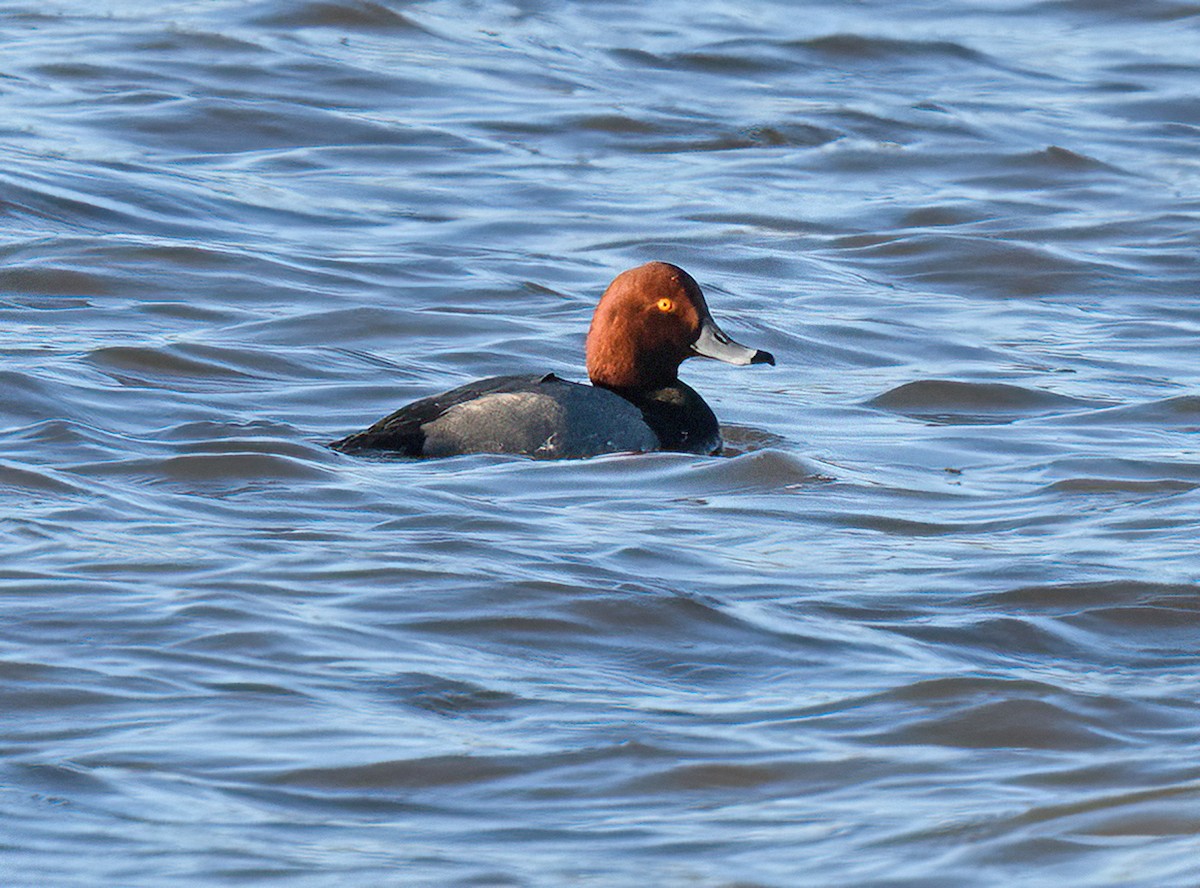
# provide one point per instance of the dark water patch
(619, 124)
(1059, 833)
(701, 137)
(982, 265)
(676, 133)
(782, 224)
(59, 698)
(726, 63)
(182, 311)
(719, 64)
(175, 254)
(235, 126)
(1128, 813)
(1055, 158)
(201, 432)
(64, 780)
(53, 281)
(1181, 412)
(860, 48)
(665, 618)
(757, 779)
(378, 327)
(1152, 70)
(271, 645)
(1149, 470)
(1173, 601)
(45, 303)
(451, 698)
(505, 629)
(946, 215)
(253, 688)
(956, 402)
(97, 201)
(991, 714)
(754, 470)
(422, 773)
(1143, 815)
(740, 440)
(141, 364)
(999, 638)
(258, 463)
(342, 15)
(1118, 624)
(1153, 11)
(1027, 724)
(182, 363)
(211, 41)
(99, 78)
(27, 399)
(218, 469)
(894, 525)
(37, 480)
(1103, 486)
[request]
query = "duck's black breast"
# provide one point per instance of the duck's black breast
(680, 418)
(539, 416)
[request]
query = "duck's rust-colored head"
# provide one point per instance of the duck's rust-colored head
(649, 321)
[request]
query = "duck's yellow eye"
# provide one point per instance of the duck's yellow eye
(666, 304)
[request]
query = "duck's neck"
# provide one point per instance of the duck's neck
(623, 372)
(677, 415)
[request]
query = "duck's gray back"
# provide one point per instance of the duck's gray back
(543, 417)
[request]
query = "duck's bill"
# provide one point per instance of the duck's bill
(713, 343)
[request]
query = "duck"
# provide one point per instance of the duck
(649, 321)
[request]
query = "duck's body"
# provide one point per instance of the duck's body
(649, 320)
(544, 417)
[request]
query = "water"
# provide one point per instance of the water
(933, 621)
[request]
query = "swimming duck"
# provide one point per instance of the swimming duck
(649, 321)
